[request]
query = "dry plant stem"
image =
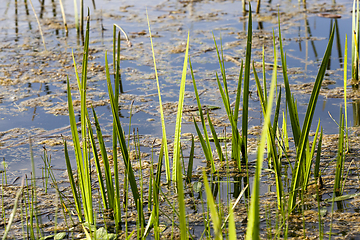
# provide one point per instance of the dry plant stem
(37, 19)
(11, 219)
(258, 6)
(63, 16)
(126, 36)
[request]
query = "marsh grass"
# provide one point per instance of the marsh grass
(121, 200)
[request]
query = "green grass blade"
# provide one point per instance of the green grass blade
(318, 156)
(154, 216)
(253, 226)
(216, 140)
(345, 99)
(205, 148)
(83, 176)
(72, 184)
(264, 72)
(340, 157)
(295, 125)
(117, 84)
(200, 110)
(191, 161)
(307, 123)
(245, 112)
(236, 141)
(176, 155)
(214, 213)
(238, 94)
(122, 141)
(97, 165)
(166, 153)
(262, 98)
(271, 136)
(309, 158)
(108, 175)
(232, 227)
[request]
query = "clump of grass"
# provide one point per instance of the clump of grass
(277, 145)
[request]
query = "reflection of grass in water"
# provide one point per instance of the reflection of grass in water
(170, 203)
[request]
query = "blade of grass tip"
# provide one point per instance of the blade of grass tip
(253, 226)
(307, 122)
(176, 155)
(114, 47)
(166, 152)
(222, 68)
(214, 214)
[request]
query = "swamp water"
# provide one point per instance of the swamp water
(34, 101)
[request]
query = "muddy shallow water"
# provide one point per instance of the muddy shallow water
(33, 81)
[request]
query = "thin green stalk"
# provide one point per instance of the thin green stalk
(303, 140)
(339, 172)
(345, 99)
(253, 226)
(123, 147)
(176, 155)
(212, 206)
(164, 140)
